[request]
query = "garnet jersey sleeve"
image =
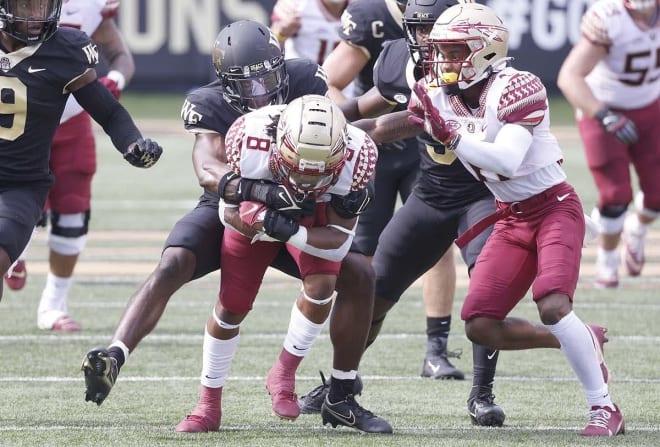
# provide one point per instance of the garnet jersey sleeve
(360, 165)
(234, 144)
(523, 100)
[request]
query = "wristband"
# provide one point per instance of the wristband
(299, 238)
(222, 184)
(118, 77)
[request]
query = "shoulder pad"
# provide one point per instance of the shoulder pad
(523, 100)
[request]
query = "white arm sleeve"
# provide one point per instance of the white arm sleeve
(503, 156)
(222, 205)
(299, 240)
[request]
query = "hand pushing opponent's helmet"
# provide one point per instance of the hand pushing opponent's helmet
(310, 146)
(250, 64)
(30, 21)
(482, 38)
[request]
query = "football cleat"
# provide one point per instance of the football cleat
(482, 408)
(100, 370)
(634, 237)
(350, 414)
(437, 364)
(206, 415)
(281, 388)
(604, 421)
(599, 339)
(17, 277)
(607, 271)
(312, 402)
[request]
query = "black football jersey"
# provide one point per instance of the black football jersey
(368, 24)
(206, 109)
(444, 183)
(32, 97)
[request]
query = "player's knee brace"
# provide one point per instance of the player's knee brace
(320, 302)
(610, 218)
(67, 234)
(224, 324)
(646, 212)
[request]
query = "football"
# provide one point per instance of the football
(251, 212)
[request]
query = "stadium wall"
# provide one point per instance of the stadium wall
(172, 39)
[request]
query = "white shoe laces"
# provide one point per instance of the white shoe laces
(599, 418)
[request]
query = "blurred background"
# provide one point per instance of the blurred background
(171, 39)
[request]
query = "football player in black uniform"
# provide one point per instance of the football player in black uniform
(40, 65)
(252, 73)
(366, 26)
(445, 202)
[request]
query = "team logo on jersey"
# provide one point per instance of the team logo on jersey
(5, 64)
(188, 113)
(401, 98)
(92, 53)
(347, 23)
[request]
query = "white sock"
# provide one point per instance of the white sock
(216, 359)
(578, 347)
(302, 333)
(53, 302)
(344, 375)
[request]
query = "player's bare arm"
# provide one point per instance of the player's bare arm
(113, 47)
(571, 79)
(342, 66)
(209, 159)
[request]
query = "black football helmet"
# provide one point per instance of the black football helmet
(30, 21)
(422, 13)
(250, 64)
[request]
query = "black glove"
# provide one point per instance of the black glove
(279, 226)
(352, 204)
(277, 197)
(143, 153)
(618, 125)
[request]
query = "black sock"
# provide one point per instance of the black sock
(339, 389)
(484, 362)
(438, 326)
(118, 354)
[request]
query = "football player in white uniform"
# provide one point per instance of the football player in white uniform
(495, 119)
(612, 78)
(308, 148)
(309, 29)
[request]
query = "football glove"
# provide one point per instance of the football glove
(618, 125)
(143, 153)
(426, 117)
(279, 226)
(111, 85)
(275, 196)
(100, 370)
(352, 204)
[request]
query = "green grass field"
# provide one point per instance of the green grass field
(41, 386)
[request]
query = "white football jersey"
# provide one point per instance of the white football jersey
(85, 15)
(317, 37)
(249, 147)
(629, 76)
(512, 97)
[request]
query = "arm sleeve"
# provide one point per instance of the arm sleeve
(109, 113)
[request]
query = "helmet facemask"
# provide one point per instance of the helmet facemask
(251, 89)
(310, 146)
(475, 40)
(30, 22)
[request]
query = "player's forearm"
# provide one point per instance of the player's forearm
(389, 127)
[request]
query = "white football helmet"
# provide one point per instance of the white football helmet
(486, 41)
(310, 146)
(641, 5)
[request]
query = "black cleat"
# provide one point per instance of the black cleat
(483, 410)
(350, 414)
(312, 402)
(437, 364)
(100, 370)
